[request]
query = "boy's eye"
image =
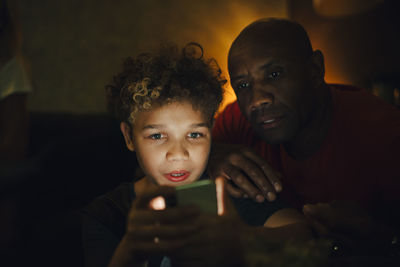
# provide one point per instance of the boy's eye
(156, 136)
(195, 135)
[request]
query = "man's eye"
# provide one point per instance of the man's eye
(243, 85)
(156, 136)
(195, 135)
(274, 75)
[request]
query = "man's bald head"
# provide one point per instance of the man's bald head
(273, 33)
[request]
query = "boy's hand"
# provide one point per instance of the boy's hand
(217, 242)
(150, 231)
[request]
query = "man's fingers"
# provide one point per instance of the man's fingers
(328, 215)
(340, 241)
(248, 171)
(273, 176)
(319, 228)
(233, 190)
(257, 178)
(260, 180)
(348, 220)
(243, 183)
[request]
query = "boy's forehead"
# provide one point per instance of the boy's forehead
(177, 112)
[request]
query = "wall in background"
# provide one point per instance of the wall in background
(74, 47)
(360, 49)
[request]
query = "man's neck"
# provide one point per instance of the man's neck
(310, 138)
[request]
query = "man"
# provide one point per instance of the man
(289, 131)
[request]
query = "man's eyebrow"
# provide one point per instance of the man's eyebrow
(262, 67)
(235, 78)
(267, 65)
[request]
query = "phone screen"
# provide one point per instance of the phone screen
(201, 193)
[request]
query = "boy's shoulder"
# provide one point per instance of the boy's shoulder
(111, 209)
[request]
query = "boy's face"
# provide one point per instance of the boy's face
(172, 143)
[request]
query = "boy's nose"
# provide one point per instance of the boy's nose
(177, 152)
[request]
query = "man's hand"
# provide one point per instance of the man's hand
(348, 225)
(250, 175)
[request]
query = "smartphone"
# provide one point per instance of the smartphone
(201, 193)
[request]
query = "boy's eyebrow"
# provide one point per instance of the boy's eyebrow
(161, 126)
(153, 126)
(202, 124)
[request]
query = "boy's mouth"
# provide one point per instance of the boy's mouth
(177, 176)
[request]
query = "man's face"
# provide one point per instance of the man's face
(273, 89)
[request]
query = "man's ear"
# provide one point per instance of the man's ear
(317, 68)
(127, 133)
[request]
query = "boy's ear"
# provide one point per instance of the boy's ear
(127, 133)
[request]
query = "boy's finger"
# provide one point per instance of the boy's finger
(162, 231)
(142, 200)
(170, 215)
(225, 205)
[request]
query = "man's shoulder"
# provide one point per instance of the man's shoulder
(232, 115)
(345, 87)
(356, 102)
(364, 116)
(231, 108)
(231, 126)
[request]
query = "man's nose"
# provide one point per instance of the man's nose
(261, 98)
(177, 151)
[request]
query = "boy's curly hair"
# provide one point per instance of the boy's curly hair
(167, 76)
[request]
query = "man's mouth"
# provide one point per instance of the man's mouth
(177, 176)
(269, 122)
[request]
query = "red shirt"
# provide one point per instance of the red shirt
(358, 160)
